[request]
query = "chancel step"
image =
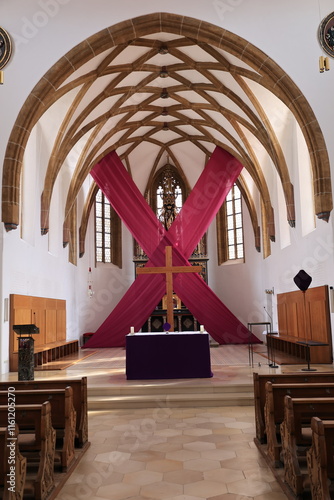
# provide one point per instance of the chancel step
(170, 395)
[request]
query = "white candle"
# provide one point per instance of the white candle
(201, 328)
(132, 329)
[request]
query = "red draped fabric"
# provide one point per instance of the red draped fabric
(189, 226)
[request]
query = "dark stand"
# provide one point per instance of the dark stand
(271, 351)
(26, 364)
(308, 344)
(271, 361)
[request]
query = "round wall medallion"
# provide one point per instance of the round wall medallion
(5, 48)
(326, 34)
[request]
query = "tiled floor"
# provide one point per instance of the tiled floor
(172, 454)
(204, 453)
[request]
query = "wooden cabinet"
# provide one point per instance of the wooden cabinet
(304, 316)
(49, 315)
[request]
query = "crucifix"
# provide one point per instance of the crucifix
(168, 270)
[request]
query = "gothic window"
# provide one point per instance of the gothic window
(230, 228)
(166, 194)
(107, 232)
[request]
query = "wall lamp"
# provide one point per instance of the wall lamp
(324, 64)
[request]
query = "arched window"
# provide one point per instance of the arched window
(107, 232)
(166, 194)
(230, 228)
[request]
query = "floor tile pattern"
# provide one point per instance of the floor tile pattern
(162, 453)
(172, 454)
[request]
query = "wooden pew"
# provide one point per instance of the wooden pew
(274, 410)
(38, 483)
(298, 413)
(13, 466)
(79, 387)
(63, 418)
(259, 382)
(320, 459)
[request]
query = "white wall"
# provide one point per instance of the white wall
(43, 31)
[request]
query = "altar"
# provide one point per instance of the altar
(170, 355)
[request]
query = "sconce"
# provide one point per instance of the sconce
(269, 292)
(324, 64)
(90, 291)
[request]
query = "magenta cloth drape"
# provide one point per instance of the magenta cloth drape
(196, 215)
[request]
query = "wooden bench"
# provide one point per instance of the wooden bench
(56, 350)
(63, 418)
(296, 437)
(259, 382)
(274, 410)
(320, 459)
(79, 387)
(40, 475)
(13, 466)
(300, 348)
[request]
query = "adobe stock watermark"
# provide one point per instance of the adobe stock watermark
(31, 26)
(223, 7)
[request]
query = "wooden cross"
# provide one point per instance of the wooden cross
(168, 270)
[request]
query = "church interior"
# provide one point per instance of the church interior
(167, 247)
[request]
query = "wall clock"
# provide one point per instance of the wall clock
(5, 48)
(326, 34)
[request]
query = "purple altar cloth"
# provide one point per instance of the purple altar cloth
(167, 355)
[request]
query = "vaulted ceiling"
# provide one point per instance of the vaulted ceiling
(163, 86)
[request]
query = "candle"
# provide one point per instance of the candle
(201, 328)
(132, 329)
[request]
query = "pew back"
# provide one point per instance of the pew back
(274, 410)
(38, 416)
(298, 413)
(79, 387)
(63, 417)
(260, 380)
(13, 466)
(302, 411)
(61, 401)
(275, 394)
(320, 458)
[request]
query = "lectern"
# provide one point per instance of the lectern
(26, 350)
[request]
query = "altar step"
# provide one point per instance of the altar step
(159, 396)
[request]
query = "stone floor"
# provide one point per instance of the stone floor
(204, 453)
(172, 454)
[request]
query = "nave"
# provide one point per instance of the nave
(175, 439)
